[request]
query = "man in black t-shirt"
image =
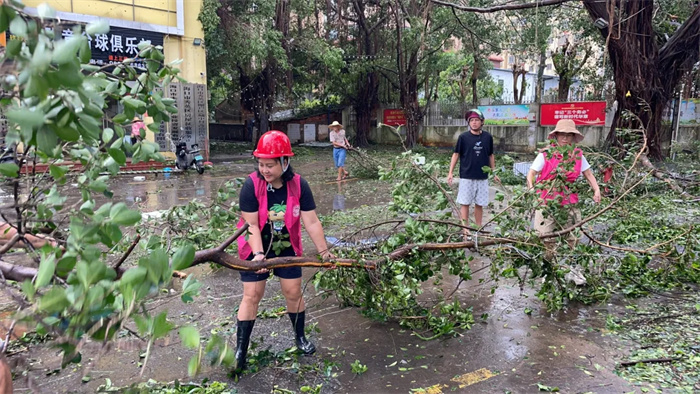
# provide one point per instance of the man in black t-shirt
(474, 150)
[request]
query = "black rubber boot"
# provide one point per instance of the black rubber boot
(303, 344)
(245, 328)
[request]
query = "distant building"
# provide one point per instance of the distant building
(172, 24)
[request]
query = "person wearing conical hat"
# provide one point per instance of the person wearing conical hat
(340, 147)
(546, 167)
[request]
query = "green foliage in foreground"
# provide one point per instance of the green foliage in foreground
(56, 110)
(663, 330)
(413, 290)
(152, 386)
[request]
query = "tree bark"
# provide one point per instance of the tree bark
(407, 63)
(366, 100)
(563, 88)
(539, 90)
(473, 80)
(645, 76)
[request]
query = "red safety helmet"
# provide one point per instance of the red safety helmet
(272, 145)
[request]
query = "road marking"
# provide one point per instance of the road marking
(473, 377)
(434, 389)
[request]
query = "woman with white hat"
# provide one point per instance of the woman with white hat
(340, 146)
(546, 168)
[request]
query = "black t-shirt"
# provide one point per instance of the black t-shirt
(276, 206)
(474, 152)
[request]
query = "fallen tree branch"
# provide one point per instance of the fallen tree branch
(229, 261)
(128, 252)
(632, 250)
(595, 215)
(9, 244)
(650, 361)
(660, 175)
(233, 237)
(500, 7)
(17, 273)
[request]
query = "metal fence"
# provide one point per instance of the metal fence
(445, 114)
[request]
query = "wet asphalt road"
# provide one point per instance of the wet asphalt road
(507, 350)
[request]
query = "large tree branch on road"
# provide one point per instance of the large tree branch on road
(17, 273)
(503, 7)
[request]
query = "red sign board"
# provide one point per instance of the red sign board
(394, 117)
(585, 113)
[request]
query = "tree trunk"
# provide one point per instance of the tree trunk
(563, 88)
(363, 116)
(645, 76)
(516, 96)
(475, 75)
(411, 109)
(523, 85)
(539, 90)
(366, 99)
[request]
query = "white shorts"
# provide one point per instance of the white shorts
(473, 191)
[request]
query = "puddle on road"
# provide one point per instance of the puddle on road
(163, 191)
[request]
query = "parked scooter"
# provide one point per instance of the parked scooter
(188, 158)
(7, 154)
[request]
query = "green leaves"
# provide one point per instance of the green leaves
(18, 27)
(47, 141)
(189, 336)
(7, 14)
(183, 257)
(9, 170)
(124, 216)
(59, 116)
(46, 271)
(66, 51)
(25, 117)
(54, 300)
(99, 27)
(190, 288)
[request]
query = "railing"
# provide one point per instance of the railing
(445, 114)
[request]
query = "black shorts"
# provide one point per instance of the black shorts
(284, 273)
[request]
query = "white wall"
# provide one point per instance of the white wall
(550, 82)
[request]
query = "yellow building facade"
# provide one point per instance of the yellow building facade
(170, 22)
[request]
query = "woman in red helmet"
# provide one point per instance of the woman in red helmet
(274, 201)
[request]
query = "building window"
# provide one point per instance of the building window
(511, 60)
(549, 67)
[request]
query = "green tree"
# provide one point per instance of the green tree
(77, 287)
(420, 33)
(357, 27)
(459, 78)
(648, 60)
(250, 41)
(267, 53)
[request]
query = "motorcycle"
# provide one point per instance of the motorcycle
(188, 158)
(7, 154)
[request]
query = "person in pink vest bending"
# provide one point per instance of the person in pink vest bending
(274, 201)
(545, 168)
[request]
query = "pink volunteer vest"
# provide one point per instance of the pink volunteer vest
(291, 216)
(548, 172)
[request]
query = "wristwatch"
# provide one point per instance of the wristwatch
(259, 253)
